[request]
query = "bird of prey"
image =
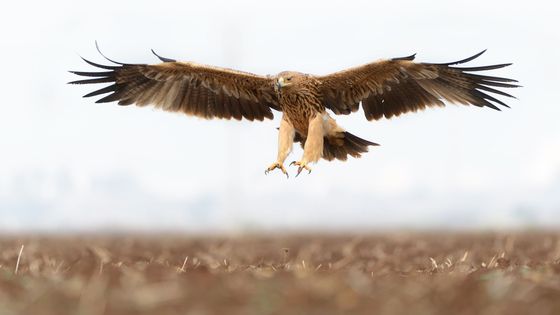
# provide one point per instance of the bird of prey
(384, 89)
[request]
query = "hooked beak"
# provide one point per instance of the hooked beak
(279, 84)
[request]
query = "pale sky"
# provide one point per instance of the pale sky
(70, 164)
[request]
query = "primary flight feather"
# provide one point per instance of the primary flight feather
(384, 88)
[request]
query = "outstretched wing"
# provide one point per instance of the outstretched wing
(391, 87)
(194, 89)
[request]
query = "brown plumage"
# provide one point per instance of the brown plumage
(384, 88)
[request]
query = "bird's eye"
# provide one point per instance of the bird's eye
(289, 79)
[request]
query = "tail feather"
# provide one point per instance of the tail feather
(358, 140)
(340, 146)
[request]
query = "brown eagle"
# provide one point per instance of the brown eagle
(384, 88)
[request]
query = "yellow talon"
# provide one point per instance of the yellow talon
(274, 166)
(301, 165)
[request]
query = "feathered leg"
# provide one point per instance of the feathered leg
(313, 148)
(285, 142)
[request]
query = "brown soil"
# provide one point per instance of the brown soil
(392, 273)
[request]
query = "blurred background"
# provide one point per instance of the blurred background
(67, 164)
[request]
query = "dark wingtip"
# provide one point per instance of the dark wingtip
(407, 58)
(111, 60)
(463, 60)
(98, 65)
(483, 68)
(71, 82)
(163, 58)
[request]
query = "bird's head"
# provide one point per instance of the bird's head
(287, 78)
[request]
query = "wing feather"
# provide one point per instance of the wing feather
(221, 110)
(235, 107)
(392, 87)
(194, 89)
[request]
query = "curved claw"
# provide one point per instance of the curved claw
(275, 166)
(301, 167)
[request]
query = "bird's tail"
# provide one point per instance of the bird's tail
(341, 145)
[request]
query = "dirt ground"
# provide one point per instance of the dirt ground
(391, 273)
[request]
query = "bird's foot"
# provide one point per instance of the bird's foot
(275, 166)
(301, 165)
